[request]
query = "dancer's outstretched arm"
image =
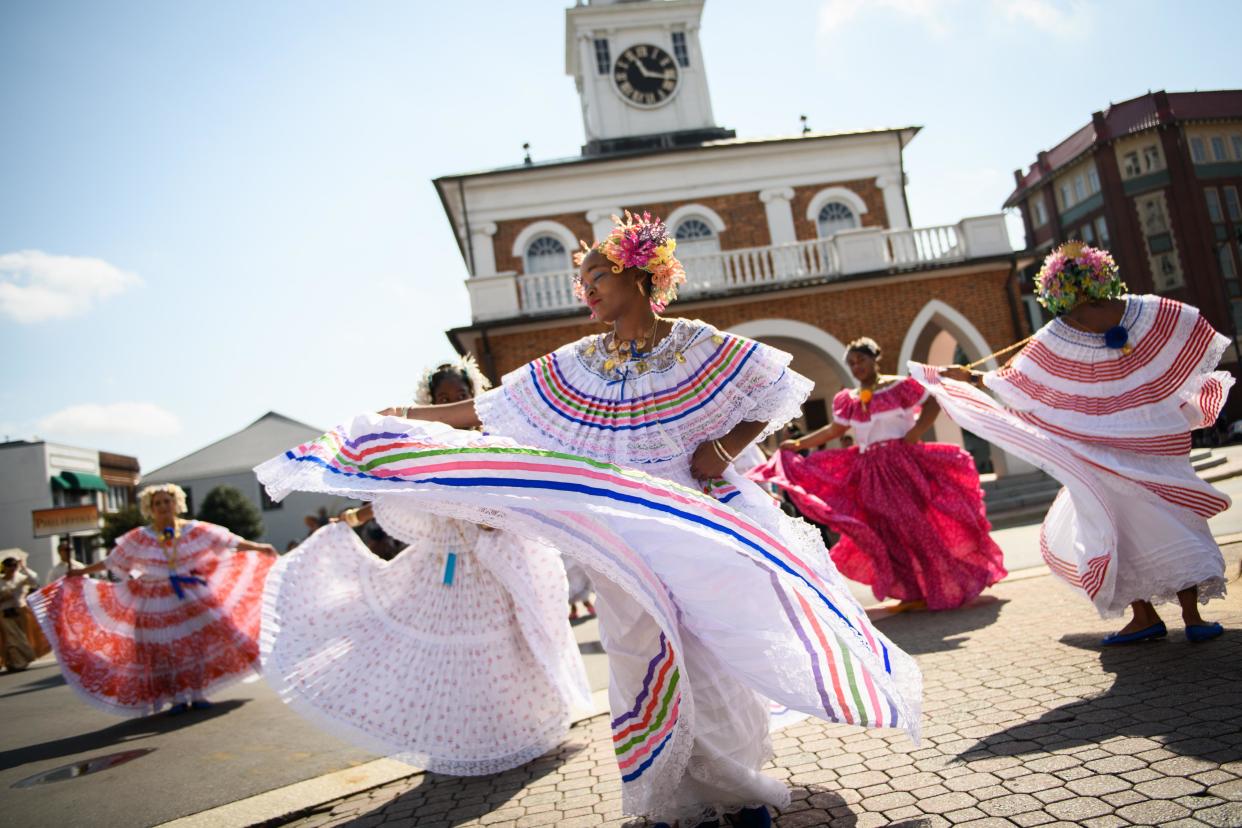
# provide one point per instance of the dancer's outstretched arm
(458, 414)
(816, 438)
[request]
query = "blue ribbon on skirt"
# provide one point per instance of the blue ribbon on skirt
(178, 580)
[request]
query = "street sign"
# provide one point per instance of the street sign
(66, 519)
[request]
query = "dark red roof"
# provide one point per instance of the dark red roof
(1128, 117)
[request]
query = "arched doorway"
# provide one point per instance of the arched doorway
(817, 355)
(942, 335)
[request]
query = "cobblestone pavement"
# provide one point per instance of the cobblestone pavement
(1027, 721)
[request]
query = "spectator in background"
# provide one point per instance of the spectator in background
(67, 562)
(16, 579)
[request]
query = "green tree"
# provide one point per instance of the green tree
(116, 524)
(228, 507)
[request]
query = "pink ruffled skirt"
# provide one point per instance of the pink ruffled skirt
(911, 517)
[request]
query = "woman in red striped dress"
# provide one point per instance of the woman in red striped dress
(1104, 398)
(182, 622)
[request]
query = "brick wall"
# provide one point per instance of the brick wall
(865, 188)
(882, 311)
(746, 222)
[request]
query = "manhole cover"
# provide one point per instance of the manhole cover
(77, 769)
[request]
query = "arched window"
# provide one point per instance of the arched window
(695, 237)
(835, 217)
(546, 254)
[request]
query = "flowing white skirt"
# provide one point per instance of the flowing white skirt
(1125, 526)
(705, 611)
(463, 668)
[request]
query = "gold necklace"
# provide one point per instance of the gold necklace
(168, 542)
(622, 352)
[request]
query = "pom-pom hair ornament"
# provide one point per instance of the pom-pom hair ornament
(465, 367)
(642, 242)
(1075, 273)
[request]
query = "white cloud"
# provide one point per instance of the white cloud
(37, 286)
(1059, 17)
(130, 418)
(1063, 18)
(835, 15)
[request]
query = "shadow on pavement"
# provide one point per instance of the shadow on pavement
(455, 800)
(123, 732)
(924, 632)
(53, 680)
(1169, 693)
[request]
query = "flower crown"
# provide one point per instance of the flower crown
(642, 242)
(466, 367)
(1074, 273)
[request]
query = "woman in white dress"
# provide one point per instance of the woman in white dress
(455, 656)
(625, 441)
(1104, 398)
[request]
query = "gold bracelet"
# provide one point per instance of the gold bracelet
(351, 518)
(720, 452)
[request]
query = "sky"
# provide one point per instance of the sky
(213, 210)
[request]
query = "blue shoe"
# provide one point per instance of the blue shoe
(178, 709)
(1197, 633)
(200, 704)
(752, 818)
(1156, 630)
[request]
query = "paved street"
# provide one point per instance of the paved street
(1027, 721)
(1016, 686)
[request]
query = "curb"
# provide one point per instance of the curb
(301, 799)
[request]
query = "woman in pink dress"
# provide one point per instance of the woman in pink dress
(910, 514)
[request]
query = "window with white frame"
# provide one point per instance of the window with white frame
(1218, 149)
(1065, 197)
(1093, 179)
(1101, 230)
(1131, 166)
(1197, 151)
(1080, 188)
(833, 218)
(1213, 205)
(679, 49)
(546, 254)
(1151, 158)
(117, 498)
(1232, 207)
(1228, 268)
(695, 237)
(1041, 212)
(1087, 234)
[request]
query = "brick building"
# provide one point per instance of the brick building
(804, 241)
(1156, 179)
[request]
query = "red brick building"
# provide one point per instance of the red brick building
(801, 241)
(1156, 179)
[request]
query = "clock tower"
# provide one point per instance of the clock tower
(640, 75)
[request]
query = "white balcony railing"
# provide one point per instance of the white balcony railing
(730, 271)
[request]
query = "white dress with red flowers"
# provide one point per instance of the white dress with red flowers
(1113, 426)
(456, 656)
(182, 622)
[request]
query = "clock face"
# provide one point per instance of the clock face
(645, 75)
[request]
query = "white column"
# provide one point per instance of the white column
(601, 221)
(481, 250)
(892, 189)
(776, 203)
